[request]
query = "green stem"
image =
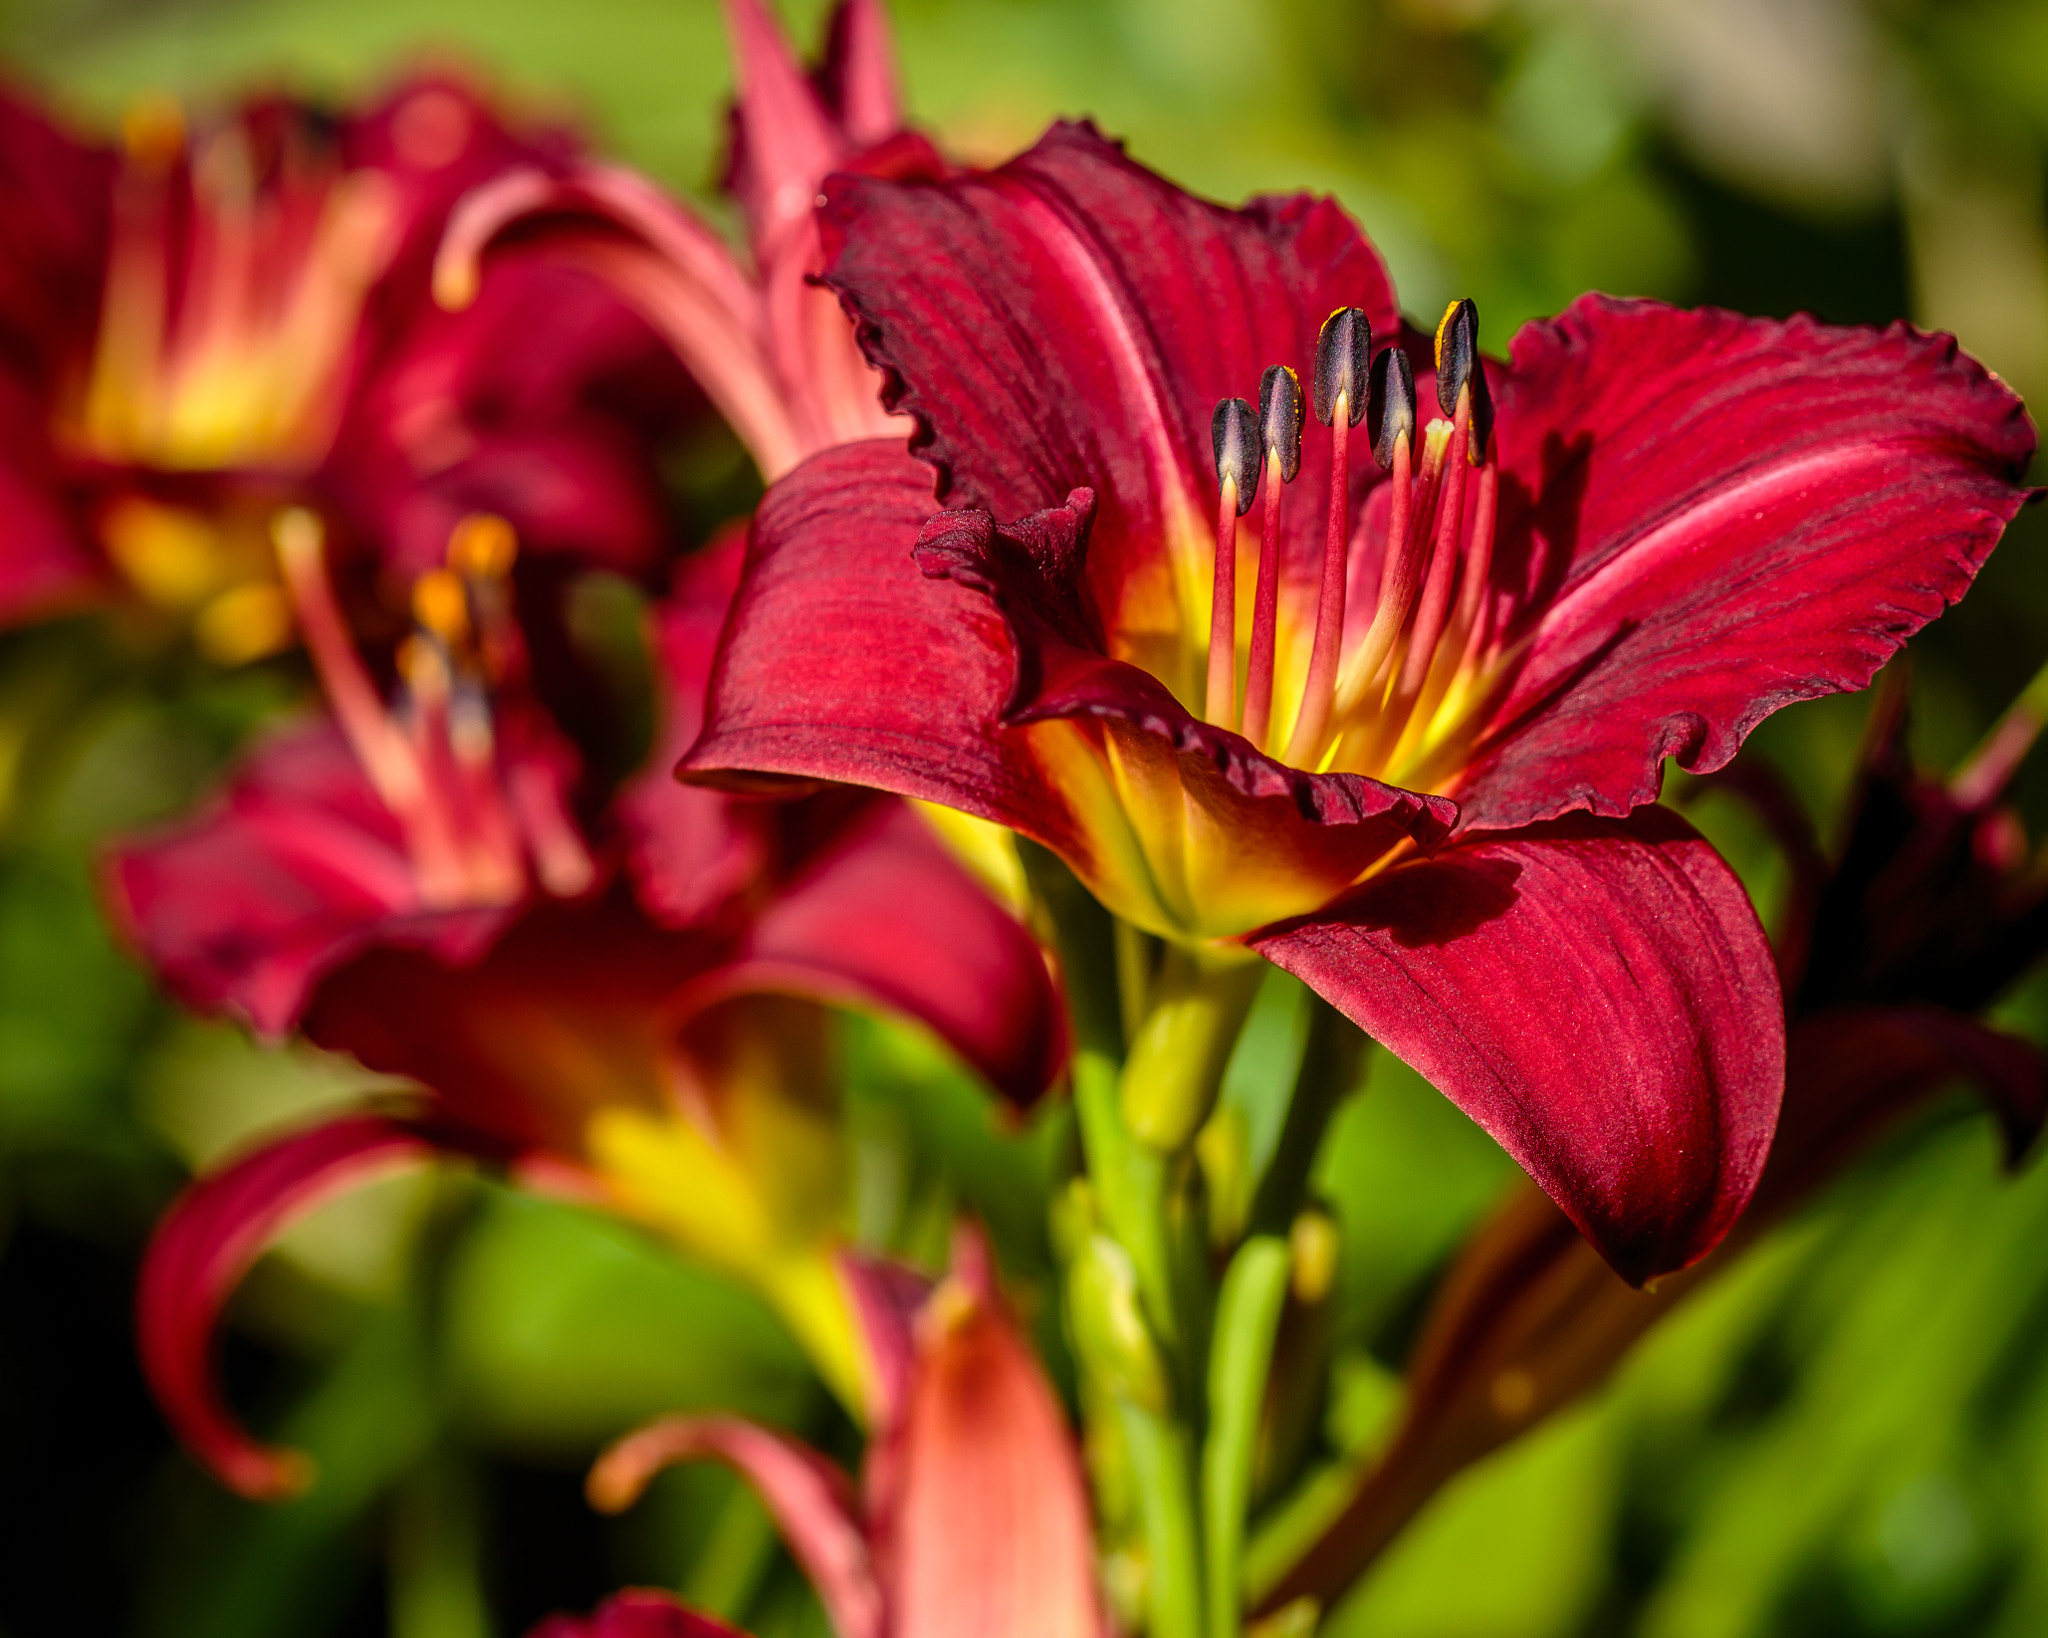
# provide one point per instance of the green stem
(1247, 1320)
(1177, 1057)
(1160, 1463)
(1130, 1185)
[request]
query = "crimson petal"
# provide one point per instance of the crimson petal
(295, 868)
(1071, 320)
(812, 1502)
(885, 917)
(841, 662)
(207, 1241)
(688, 850)
(1706, 517)
(1598, 995)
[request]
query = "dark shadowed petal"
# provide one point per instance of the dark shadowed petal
(983, 1527)
(639, 1612)
(54, 198)
(561, 1018)
(295, 868)
(1852, 1071)
(811, 1500)
(1706, 517)
(884, 917)
(541, 401)
(45, 565)
(688, 849)
(208, 1239)
(785, 138)
(1598, 995)
(857, 78)
(1072, 319)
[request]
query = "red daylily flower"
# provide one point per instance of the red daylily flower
(214, 322)
(770, 348)
(626, 1006)
(1636, 538)
(972, 1518)
(1933, 906)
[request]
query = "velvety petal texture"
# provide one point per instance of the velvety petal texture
(1706, 517)
(1070, 320)
(208, 1240)
(1598, 995)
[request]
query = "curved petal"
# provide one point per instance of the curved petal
(661, 260)
(207, 1241)
(560, 1018)
(543, 401)
(984, 1531)
(811, 1500)
(1598, 995)
(638, 1612)
(785, 140)
(689, 850)
(1851, 1071)
(1071, 320)
(294, 869)
(840, 661)
(857, 78)
(1706, 517)
(886, 917)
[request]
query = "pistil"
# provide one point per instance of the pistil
(1343, 352)
(1234, 434)
(1280, 431)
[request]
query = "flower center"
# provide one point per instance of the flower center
(472, 814)
(1392, 695)
(234, 284)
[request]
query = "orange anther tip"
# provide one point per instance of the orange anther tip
(483, 546)
(440, 604)
(153, 128)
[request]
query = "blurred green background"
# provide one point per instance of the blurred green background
(1847, 1435)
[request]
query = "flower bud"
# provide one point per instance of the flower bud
(1110, 1334)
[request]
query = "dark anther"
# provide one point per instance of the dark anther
(1234, 430)
(1392, 401)
(1280, 417)
(1458, 365)
(1341, 353)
